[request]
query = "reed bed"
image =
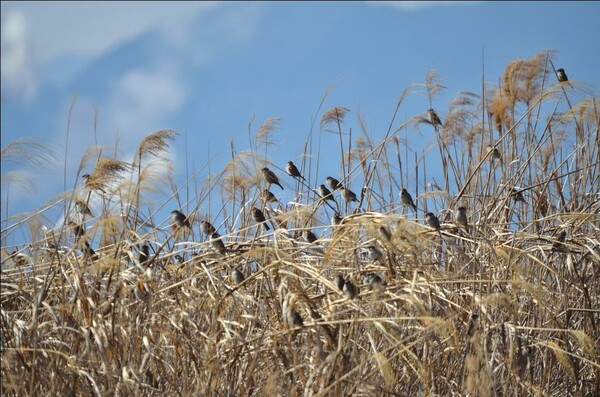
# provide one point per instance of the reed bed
(129, 301)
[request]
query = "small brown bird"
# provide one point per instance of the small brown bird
(325, 193)
(434, 118)
(333, 183)
(350, 290)
(207, 228)
(461, 218)
(558, 245)
(433, 221)
(406, 199)
(260, 217)
(144, 255)
(270, 177)
(237, 276)
(339, 282)
(217, 243)
(179, 220)
(374, 253)
(309, 236)
(562, 76)
(336, 219)
(293, 171)
(517, 195)
(348, 195)
(372, 281)
(267, 196)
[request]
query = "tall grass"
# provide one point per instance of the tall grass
(510, 308)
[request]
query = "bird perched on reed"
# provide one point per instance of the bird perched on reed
(207, 228)
(517, 195)
(434, 118)
(374, 253)
(558, 245)
(333, 183)
(237, 276)
(270, 177)
(406, 199)
(260, 217)
(339, 282)
(144, 255)
(293, 171)
(350, 290)
(562, 76)
(336, 219)
(267, 196)
(348, 194)
(309, 236)
(433, 221)
(217, 243)
(326, 194)
(461, 218)
(179, 220)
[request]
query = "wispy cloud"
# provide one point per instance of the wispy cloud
(418, 5)
(17, 66)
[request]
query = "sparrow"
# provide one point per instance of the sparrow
(268, 196)
(433, 221)
(461, 218)
(517, 195)
(325, 193)
(83, 208)
(294, 318)
(207, 228)
(270, 177)
(339, 282)
(237, 276)
(260, 217)
(350, 290)
(348, 194)
(373, 280)
(144, 255)
(333, 183)
(292, 170)
(374, 253)
(433, 117)
(179, 220)
(406, 199)
(495, 153)
(88, 252)
(385, 233)
(562, 76)
(217, 243)
(309, 236)
(558, 245)
(336, 219)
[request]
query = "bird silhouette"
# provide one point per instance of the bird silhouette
(433, 221)
(260, 217)
(406, 199)
(461, 218)
(237, 276)
(562, 76)
(207, 228)
(268, 196)
(217, 243)
(144, 255)
(292, 170)
(333, 183)
(326, 193)
(179, 220)
(270, 177)
(309, 236)
(434, 118)
(348, 194)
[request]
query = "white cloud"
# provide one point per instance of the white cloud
(17, 68)
(418, 5)
(140, 101)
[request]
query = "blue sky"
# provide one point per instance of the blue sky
(207, 69)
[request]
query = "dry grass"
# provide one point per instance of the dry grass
(512, 308)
